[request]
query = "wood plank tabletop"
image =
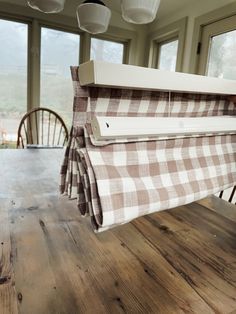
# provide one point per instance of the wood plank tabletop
(178, 261)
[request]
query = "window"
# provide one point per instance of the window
(167, 46)
(218, 49)
(221, 60)
(13, 79)
(167, 56)
(59, 50)
(104, 50)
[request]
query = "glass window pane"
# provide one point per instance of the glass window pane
(168, 56)
(13, 79)
(222, 62)
(59, 50)
(104, 50)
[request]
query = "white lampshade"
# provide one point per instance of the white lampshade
(139, 11)
(93, 17)
(47, 6)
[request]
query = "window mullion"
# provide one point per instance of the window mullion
(34, 66)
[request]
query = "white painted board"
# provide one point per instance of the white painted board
(105, 128)
(98, 73)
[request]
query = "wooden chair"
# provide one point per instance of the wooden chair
(229, 195)
(42, 128)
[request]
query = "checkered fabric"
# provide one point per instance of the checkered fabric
(118, 182)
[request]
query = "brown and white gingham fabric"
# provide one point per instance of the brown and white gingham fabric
(118, 182)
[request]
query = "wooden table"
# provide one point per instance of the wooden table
(177, 261)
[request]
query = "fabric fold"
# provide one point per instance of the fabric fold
(123, 181)
(115, 182)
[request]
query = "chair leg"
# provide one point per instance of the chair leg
(221, 194)
(232, 194)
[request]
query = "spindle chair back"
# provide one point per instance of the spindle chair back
(42, 128)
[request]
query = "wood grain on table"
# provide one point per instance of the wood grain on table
(177, 261)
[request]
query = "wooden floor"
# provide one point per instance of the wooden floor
(178, 261)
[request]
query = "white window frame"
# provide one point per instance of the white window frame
(158, 50)
(219, 27)
(108, 38)
(200, 22)
(117, 35)
(171, 32)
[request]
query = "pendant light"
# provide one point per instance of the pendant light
(47, 6)
(139, 11)
(93, 16)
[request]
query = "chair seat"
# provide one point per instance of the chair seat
(33, 146)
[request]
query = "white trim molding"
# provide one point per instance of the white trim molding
(128, 76)
(106, 128)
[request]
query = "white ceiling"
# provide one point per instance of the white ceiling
(166, 6)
